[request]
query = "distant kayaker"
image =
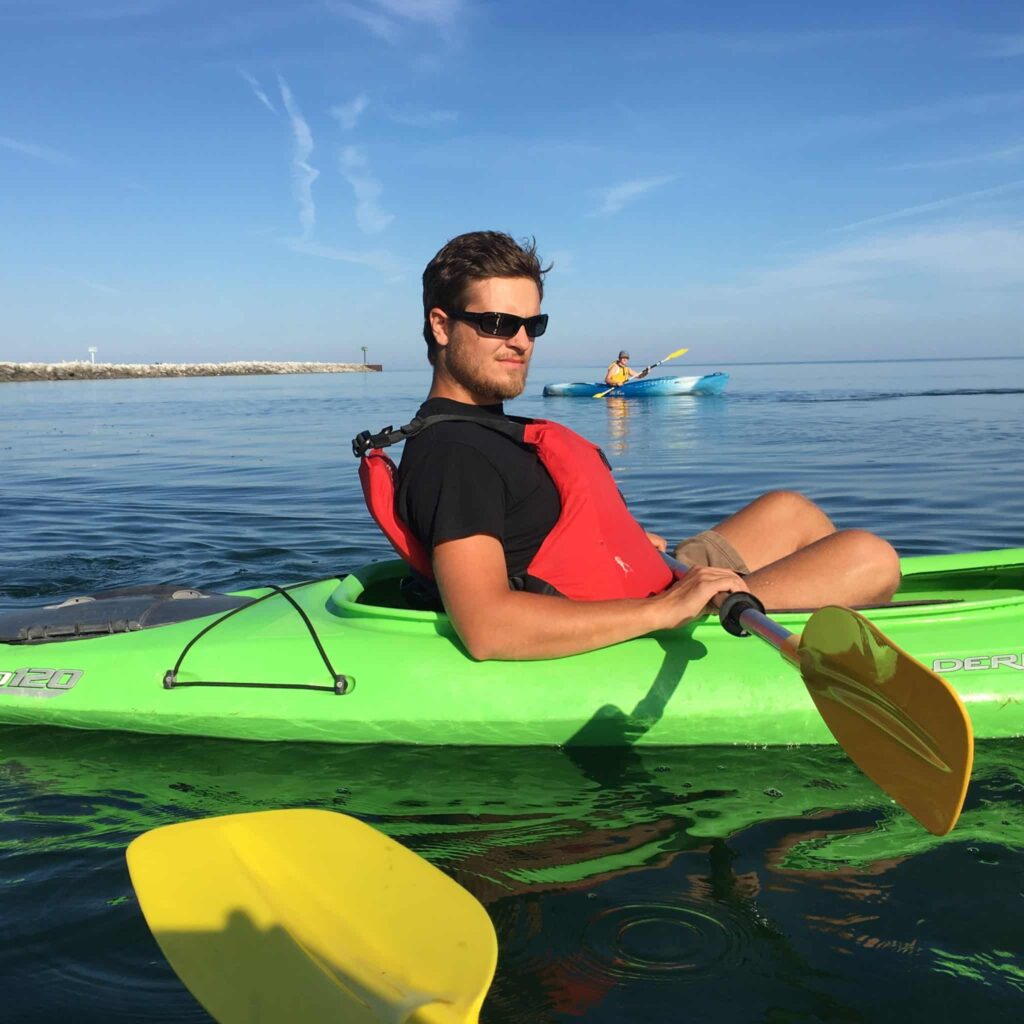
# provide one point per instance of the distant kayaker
(509, 517)
(620, 371)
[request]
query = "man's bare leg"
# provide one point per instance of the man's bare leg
(850, 567)
(774, 526)
(798, 559)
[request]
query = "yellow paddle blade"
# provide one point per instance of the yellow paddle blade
(904, 726)
(678, 352)
(307, 915)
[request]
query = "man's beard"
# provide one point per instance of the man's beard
(464, 370)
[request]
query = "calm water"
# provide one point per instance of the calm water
(736, 885)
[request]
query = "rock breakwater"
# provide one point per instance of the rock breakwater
(108, 371)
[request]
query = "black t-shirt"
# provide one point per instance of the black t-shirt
(459, 479)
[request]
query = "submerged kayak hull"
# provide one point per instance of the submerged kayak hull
(649, 387)
(408, 680)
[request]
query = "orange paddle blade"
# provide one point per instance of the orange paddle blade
(904, 726)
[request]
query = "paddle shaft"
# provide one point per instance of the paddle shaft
(651, 366)
(755, 622)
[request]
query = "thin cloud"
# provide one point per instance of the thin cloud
(371, 217)
(992, 156)
(427, 63)
(779, 43)
(966, 264)
(50, 156)
(259, 93)
(348, 114)
(224, 29)
(376, 259)
(386, 19)
(938, 204)
(1005, 46)
(992, 256)
(423, 119)
(103, 289)
(563, 261)
(980, 105)
(375, 22)
(432, 11)
(303, 174)
(617, 197)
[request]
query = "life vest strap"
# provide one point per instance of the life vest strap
(364, 441)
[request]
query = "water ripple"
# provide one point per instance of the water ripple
(660, 941)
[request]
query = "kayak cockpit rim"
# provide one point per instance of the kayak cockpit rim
(914, 600)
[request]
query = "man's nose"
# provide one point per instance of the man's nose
(521, 340)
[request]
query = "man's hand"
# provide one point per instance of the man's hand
(688, 598)
(657, 540)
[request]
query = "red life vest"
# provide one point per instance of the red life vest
(596, 551)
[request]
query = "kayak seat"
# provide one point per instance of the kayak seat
(395, 592)
(123, 610)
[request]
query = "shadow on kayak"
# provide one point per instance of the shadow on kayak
(610, 726)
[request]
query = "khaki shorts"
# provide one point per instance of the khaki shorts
(712, 549)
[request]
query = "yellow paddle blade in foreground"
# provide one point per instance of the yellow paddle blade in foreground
(307, 916)
(904, 726)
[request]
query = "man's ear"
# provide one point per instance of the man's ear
(440, 325)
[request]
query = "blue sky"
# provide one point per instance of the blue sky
(184, 180)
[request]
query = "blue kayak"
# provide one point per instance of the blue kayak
(649, 387)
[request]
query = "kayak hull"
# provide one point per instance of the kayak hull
(649, 387)
(407, 680)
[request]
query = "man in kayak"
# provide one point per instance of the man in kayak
(620, 371)
(511, 517)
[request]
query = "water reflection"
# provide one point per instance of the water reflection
(618, 424)
(667, 428)
(621, 882)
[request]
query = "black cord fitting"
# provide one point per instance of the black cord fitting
(733, 607)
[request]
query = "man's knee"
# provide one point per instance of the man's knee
(793, 507)
(875, 556)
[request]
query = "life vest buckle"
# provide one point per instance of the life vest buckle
(364, 441)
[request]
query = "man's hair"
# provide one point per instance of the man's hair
(475, 256)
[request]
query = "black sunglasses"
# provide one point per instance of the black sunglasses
(502, 325)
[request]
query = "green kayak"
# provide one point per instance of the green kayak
(344, 661)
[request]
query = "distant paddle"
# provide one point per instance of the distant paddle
(645, 370)
(904, 726)
(308, 915)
